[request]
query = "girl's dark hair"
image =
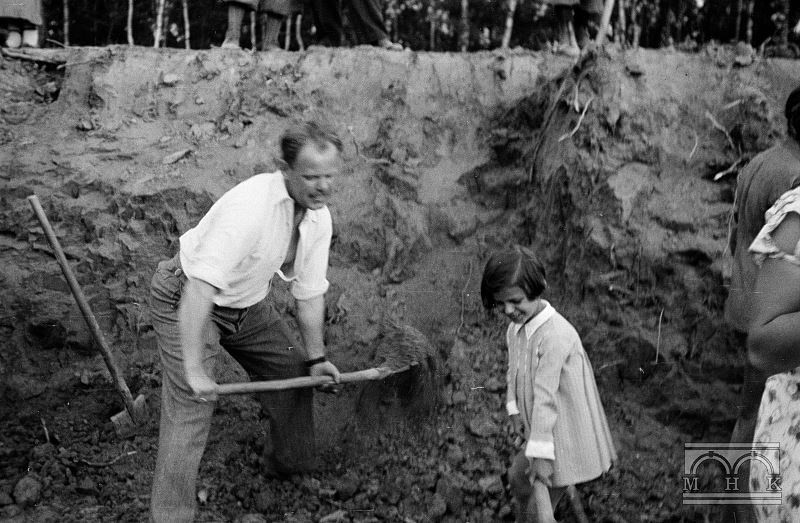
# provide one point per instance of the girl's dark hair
(517, 267)
(298, 136)
(792, 114)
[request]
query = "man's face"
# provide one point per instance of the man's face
(309, 181)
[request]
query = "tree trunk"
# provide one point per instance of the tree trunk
(66, 22)
(186, 25)
(431, 28)
(751, 4)
(129, 24)
(512, 8)
(464, 37)
(737, 28)
(637, 27)
(287, 39)
(95, 21)
(253, 29)
(622, 30)
(785, 26)
(298, 35)
(159, 24)
(393, 25)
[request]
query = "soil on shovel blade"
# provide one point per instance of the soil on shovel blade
(607, 169)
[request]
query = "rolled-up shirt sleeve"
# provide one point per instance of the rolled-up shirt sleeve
(311, 280)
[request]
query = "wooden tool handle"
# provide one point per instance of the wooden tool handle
(376, 373)
(83, 305)
(544, 507)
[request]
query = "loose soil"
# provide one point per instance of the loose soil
(606, 168)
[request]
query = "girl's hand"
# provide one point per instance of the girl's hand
(517, 430)
(542, 470)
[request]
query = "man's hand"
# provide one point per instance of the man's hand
(542, 470)
(326, 368)
(203, 387)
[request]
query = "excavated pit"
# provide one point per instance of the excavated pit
(447, 156)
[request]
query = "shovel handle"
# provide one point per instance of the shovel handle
(544, 507)
(83, 305)
(375, 373)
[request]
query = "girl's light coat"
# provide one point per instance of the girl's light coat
(551, 385)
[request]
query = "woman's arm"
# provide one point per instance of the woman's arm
(774, 339)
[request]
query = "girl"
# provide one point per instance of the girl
(551, 389)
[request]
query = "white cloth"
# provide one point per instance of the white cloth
(243, 240)
(551, 385)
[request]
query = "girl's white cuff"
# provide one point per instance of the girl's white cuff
(511, 408)
(540, 449)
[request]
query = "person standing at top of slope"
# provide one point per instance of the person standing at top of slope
(366, 19)
(271, 14)
(214, 295)
(575, 19)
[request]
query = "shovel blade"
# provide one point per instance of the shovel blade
(124, 423)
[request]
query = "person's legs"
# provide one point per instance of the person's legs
(270, 30)
(367, 22)
(235, 16)
(265, 347)
(567, 43)
(185, 420)
(328, 20)
(586, 24)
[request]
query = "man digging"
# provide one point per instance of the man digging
(214, 295)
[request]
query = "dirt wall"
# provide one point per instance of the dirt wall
(607, 168)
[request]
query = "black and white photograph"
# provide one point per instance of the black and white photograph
(413, 261)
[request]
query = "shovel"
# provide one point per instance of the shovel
(134, 412)
(375, 373)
